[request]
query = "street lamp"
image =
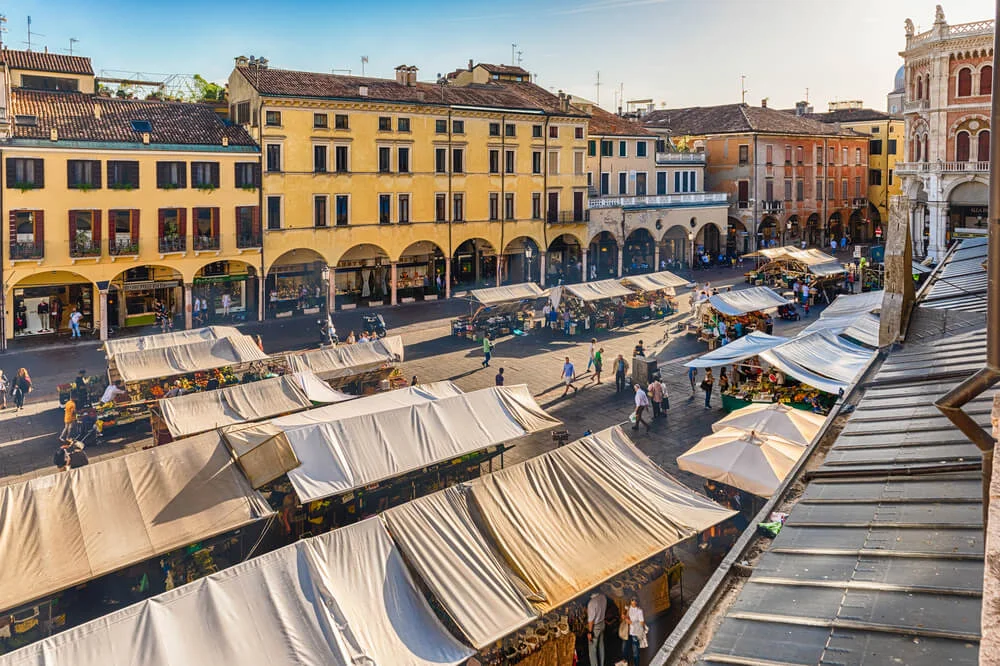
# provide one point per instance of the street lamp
(691, 243)
(325, 274)
(527, 255)
(788, 232)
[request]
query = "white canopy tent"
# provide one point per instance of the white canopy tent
(854, 304)
(513, 292)
(174, 339)
(750, 461)
(656, 281)
(348, 361)
(207, 410)
(164, 362)
(822, 360)
(754, 299)
(815, 261)
(343, 453)
(740, 349)
(775, 419)
(64, 529)
(344, 598)
(596, 291)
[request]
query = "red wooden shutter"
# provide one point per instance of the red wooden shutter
(182, 223)
(10, 175)
(215, 223)
(135, 226)
(71, 225)
(39, 173)
(97, 228)
(111, 230)
(40, 228)
(161, 222)
(255, 221)
(12, 232)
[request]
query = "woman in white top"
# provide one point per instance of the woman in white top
(636, 629)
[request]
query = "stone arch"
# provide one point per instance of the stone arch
(474, 262)
(521, 261)
(420, 270)
(602, 256)
(835, 225)
(966, 122)
(294, 283)
(709, 239)
(134, 293)
(638, 252)
(814, 230)
(675, 247)
(361, 277)
(564, 259)
(234, 279)
(70, 288)
(737, 237)
(769, 230)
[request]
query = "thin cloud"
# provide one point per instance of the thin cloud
(603, 5)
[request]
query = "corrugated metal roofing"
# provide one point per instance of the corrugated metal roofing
(961, 283)
(875, 565)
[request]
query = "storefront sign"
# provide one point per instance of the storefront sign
(216, 279)
(151, 284)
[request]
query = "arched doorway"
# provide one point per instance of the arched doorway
(521, 261)
(861, 226)
(708, 241)
(603, 256)
(835, 227)
(639, 253)
(474, 263)
(229, 290)
(675, 248)
(768, 232)
(737, 238)
(44, 300)
(136, 295)
(813, 231)
(564, 261)
(294, 284)
(793, 231)
(420, 272)
(362, 277)
(967, 208)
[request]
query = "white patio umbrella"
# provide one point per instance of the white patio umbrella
(795, 425)
(746, 460)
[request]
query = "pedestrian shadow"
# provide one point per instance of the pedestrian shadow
(467, 373)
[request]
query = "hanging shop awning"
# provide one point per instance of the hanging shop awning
(344, 361)
(341, 454)
(656, 281)
(513, 292)
(754, 299)
(166, 362)
(67, 528)
(160, 340)
(207, 410)
(754, 462)
(740, 349)
(344, 598)
(854, 304)
(822, 360)
(775, 419)
(827, 270)
(595, 291)
(815, 261)
(501, 550)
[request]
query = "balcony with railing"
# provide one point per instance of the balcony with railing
(908, 168)
(568, 216)
(859, 202)
(27, 250)
(914, 105)
(772, 206)
(249, 240)
(206, 243)
(84, 247)
(123, 248)
(662, 200)
(173, 244)
(680, 158)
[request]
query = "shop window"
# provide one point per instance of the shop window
(321, 120)
(171, 175)
(123, 232)
(83, 174)
(403, 203)
(340, 155)
(384, 208)
(248, 226)
(247, 175)
(205, 175)
(340, 121)
(320, 210)
(494, 206)
(403, 160)
(341, 203)
(28, 241)
(123, 174)
(440, 207)
(25, 174)
(172, 231)
(206, 228)
(319, 159)
(494, 161)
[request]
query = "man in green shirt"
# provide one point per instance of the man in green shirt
(487, 351)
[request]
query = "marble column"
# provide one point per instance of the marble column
(103, 312)
(656, 257)
(541, 268)
(938, 243)
(392, 283)
(187, 305)
(332, 291)
(447, 278)
(583, 266)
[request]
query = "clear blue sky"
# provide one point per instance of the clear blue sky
(682, 52)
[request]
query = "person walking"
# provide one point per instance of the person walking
(74, 322)
(598, 364)
(4, 387)
(498, 380)
(597, 609)
(568, 375)
(227, 304)
(641, 404)
(69, 420)
(22, 387)
(692, 377)
(590, 354)
(636, 629)
(656, 393)
(620, 368)
(487, 351)
(706, 385)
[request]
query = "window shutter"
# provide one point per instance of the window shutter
(236, 174)
(10, 177)
(215, 174)
(12, 227)
(159, 175)
(134, 227)
(215, 221)
(255, 221)
(72, 228)
(40, 228)
(182, 223)
(183, 174)
(97, 173)
(256, 175)
(133, 170)
(96, 234)
(39, 173)
(69, 173)
(161, 221)
(111, 230)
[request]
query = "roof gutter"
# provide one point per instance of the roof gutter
(951, 403)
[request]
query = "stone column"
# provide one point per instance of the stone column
(187, 305)
(102, 310)
(332, 291)
(583, 266)
(938, 245)
(447, 278)
(656, 257)
(392, 283)
(621, 260)
(541, 268)
(261, 298)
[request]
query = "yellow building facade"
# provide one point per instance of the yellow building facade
(118, 208)
(384, 191)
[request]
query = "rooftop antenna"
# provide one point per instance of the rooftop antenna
(3, 28)
(743, 89)
(807, 95)
(36, 34)
(598, 84)
(519, 54)
(364, 61)
(72, 41)
(513, 51)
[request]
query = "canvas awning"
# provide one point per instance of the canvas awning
(346, 361)
(827, 270)
(343, 453)
(165, 362)
(753, 462)
(513, 292)
(344, 598)
(656, 281)
(740, 349)
(174, 339)
(207, 410)
(595, 291)
(67, 528)
(854, 304)
(822, 360)
(754, 299)
(852, 316)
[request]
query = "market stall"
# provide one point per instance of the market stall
(784, 266)
(365, 365)
(755, 462)
(822, 360)
(654, 295)
(747, 347)
(853, 316)
(739, 313)
(173, 339)
(590, 305)
(794, 425)
(500, 311)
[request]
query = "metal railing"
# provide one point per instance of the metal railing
(175, 244)
(662, 200)
(555, 217)
(203, 243)
(34, 250)
(916, 105)
(85, 248)
(249, 240)
(942, 167)
(772, 205)
(123, 248)
(680, 158)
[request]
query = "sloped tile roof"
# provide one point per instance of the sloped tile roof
(503, 94)
(850, 115)
(504, 69)
(46, 62)
(603, 123)
(736, 118)
(72, 115)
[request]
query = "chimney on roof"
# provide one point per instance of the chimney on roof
(763, 103)
(145, 138)
(97, 110)
(53, 134)
(411, 75)
(242, 61)
(470, 64)
(225, 142)
(565, 103)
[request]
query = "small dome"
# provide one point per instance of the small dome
(900, 83)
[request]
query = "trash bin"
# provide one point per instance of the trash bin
(643, 369)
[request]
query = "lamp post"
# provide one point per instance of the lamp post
(691, 243)
(325, 274)
(527, 256)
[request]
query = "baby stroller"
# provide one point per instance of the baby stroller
(788, 312)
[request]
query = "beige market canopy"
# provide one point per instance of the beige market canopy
(753, 462)
(754, 299)
(348, 361)
(207, 410)
(344, 598)
(174, 339)
(165, 362)
(513, 292)
(795, 425)
(815, 261)
(338, 455)
(822, 360)
(656, 281)
(64, 529)
(595, 291)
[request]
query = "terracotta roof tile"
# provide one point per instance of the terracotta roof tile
(72, 115)
(850, 115)
(46, 62)
(736, 118)
(504, 69)
(603, 123)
